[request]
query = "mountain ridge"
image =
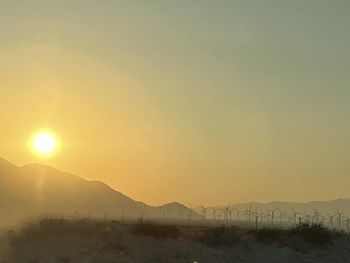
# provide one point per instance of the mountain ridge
(37, 189)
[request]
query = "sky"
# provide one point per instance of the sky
(200, 102)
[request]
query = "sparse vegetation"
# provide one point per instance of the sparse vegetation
(270, 236)
(61, 227)
(156, 230)
(312, 234)
(114, 238)
(298, 238)
(108, 236)
(315, 234)
(221, 236)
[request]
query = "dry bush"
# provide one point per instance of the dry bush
(270, 236)
(107, 236)
(314, 234)
(156, 230)
(300, 237)
(56, 227)
(222, 236)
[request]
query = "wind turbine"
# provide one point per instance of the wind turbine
(237, 211)
(331, 219)
(204, 211)
(339, 216)
(316, 217)
(273, 214)
(218, 209)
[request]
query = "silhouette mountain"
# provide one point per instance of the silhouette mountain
(36, 189)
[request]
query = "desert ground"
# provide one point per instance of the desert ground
(86, 241)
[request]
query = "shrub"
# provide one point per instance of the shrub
(156, 230)
(107, 236)
(221, 236)
(315, 234)
(52, 227)
(270, 235)
(297, 238)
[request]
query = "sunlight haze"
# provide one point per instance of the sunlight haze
(186, 101)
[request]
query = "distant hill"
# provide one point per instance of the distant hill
(331, 206)
(323, 207)
(37, 189)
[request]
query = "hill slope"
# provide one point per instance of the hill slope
(38, 189)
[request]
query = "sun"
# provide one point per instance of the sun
(44, 143)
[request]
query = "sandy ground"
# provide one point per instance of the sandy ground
(130, 249)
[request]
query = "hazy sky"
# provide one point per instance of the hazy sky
(202, 102)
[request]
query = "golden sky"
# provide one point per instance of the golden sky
(200, 102)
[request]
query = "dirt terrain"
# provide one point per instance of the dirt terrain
(96, 242)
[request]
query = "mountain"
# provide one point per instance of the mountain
(36, 189)
(176, 210)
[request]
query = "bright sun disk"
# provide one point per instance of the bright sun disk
(44, 143)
